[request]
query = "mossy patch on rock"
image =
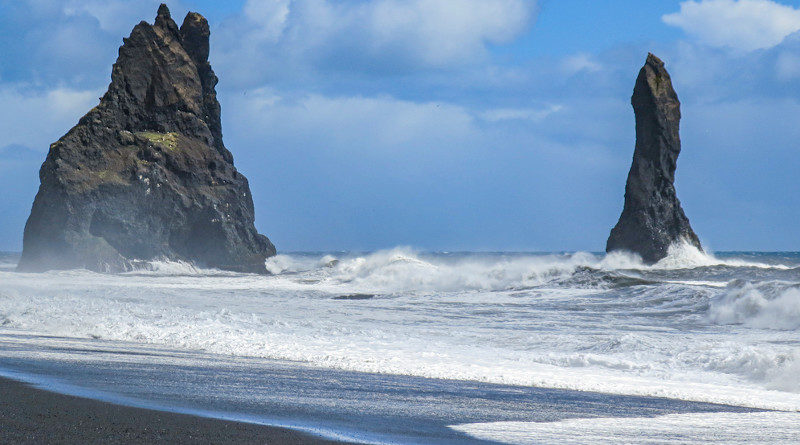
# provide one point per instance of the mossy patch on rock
(168, 140)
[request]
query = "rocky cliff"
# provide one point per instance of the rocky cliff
(145, 175)
(652, 218)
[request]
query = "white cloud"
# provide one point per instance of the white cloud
(580, 62)
(446, 31)
(520, 114)
(381, 123)
(745, 25)
(270, 15)
(423, 32)
(36, 118)
(113, 15)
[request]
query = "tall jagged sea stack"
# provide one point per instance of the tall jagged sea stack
(145, 175)
(652, 218)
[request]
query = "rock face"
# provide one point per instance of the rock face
(145, 175)
(652, 218)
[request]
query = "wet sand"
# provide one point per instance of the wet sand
(344, 405)
(30, 415)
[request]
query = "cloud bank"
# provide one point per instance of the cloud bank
(286, 38)
(745, 25)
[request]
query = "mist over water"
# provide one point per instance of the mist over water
(693, 326)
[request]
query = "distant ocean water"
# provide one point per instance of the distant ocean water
(721, 328)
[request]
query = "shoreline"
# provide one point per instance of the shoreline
(32, 415)
(93, 392)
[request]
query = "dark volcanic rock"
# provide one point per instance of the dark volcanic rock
(145, 175)
(354, 297)
(652, 218)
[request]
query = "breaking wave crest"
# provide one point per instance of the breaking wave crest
(164, 267)
(770, 305)
(407, 270)
(694, 326)
(683, 255)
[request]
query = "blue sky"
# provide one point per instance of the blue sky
(449, 124)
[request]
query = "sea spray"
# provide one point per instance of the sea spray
(770, 305)
(576, 321)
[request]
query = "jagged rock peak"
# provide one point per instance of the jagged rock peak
(195, 33)
(145, 174)
(164, 20)
(652, 218)
(163, 13)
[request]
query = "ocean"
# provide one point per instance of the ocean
(418, 347)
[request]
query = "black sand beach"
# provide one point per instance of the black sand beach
(30, 415)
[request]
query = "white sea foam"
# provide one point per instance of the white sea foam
(684, 255)
(280, 263)
(699, 283)
(164, 267)
(779, 309)
(574, 321)
(727, 428)
(405, 270)
(291, 264)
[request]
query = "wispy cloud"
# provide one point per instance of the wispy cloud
(381, 36)
(116, 16)
(35, 118)
(379, 124)
(520, 114)
(580, 62)
(788, 65)
(744, 25)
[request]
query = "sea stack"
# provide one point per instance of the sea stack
(652, 218)
(144, 175)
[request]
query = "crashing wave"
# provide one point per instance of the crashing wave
(764, 306)
(404, 269)
(573, 321)
(681, 255)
